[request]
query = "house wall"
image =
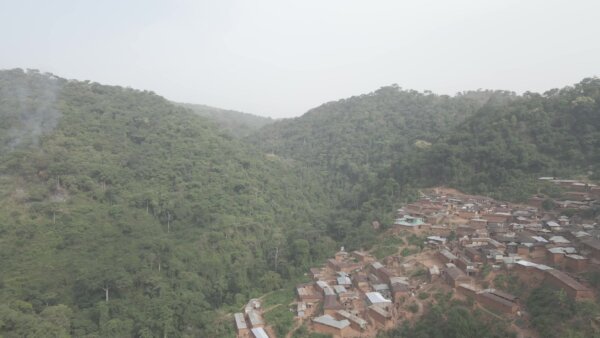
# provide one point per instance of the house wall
(499, 306)
(321, 328)
(379, 319)
(576, 265)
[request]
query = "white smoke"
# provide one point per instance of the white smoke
(28, 100)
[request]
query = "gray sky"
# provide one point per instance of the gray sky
(280, 58)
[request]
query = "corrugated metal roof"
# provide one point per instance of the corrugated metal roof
(330, 321)
(376, 298)
(361, 322)
(259, 332)
(255, 318)
(240, 322)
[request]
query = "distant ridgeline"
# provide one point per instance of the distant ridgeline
(383, 145)
(237, 124)
(122, 214)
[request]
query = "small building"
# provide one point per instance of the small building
(253, 304)
(454, 276)
(356, 322)
(240, 325)
(409, 222)
(344, 281)
(400, 291)
(361, 282)
(433, 273)
(307, 293)
(380, 316)
(446, 256)
(259, 332)
(375, 298)
(573, 288)
(497, 303)
(467, 290)
(576, 263)
(555, 256)
(531, 273)
(315, 273)
(329, 325)
(341, 255)
(592, 246)
(363, 257)
(255, 319)
(473, 254)
(384, 274)
(331, 305)
(339, 289)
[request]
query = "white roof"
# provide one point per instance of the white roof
(344, 280)
(259, 332)
(240, 322)
(322, 284)
(380, 287)
(436, 238)
(552, 224)
(377, 265)
(376, 298)
(559, 239)
(330, 321)
(339, 289)
(565, 250)
(539, 239)
(535, 265)
(255, 318)
(361, 322)
(581, 234)
(402, 280)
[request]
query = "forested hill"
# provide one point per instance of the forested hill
(353, 138)
(122, 214)
(353, 142)
(236, 123)
(505, 146)
(366, 129)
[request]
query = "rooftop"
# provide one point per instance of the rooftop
(259, 332)
(255, 318)
(566, 279)
(376, 298)
(240, 322)
(330, 321)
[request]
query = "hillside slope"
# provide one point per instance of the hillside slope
(504, 147)
(351, 142)
(124, 215)
(237, 124)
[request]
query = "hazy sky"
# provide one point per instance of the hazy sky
(280, 58)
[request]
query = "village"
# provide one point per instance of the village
(468, 244)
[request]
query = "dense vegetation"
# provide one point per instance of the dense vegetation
(554, 314)
(450, 318)
(237, 124)
(352, 142)
(505, 145)
(122, 214)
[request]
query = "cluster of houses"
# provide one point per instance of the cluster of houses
(576, 194)
(353, 295)
(250, 323)
(473, 232)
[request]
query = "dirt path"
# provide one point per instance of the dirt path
(297, 325)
